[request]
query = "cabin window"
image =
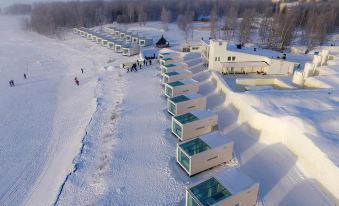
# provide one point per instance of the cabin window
(184, 160)
(229, 58)
(219, 59)
(172, 107)
(216, 58)
(233, 58)
(177, 129)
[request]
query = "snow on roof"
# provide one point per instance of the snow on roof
(234, 180)
(244, 64)
(215, 139)
(298, 58)
(189, 81)
(129, 45)
(194, 95)
(179, 72)
(201, 114)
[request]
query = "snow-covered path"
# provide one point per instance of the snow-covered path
(133, 161)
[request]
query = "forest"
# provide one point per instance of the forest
(277, 24)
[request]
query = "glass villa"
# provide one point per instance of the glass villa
(176, 75)
(170, 60)
(194, 124)
(202, 153)
(229, 187)
(174, 55)
(129, 49)
(118, 46)
(186, 103)
(173, 67)
(181, 87)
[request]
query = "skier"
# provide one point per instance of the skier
(25, 76)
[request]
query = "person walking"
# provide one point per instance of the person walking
(140, 66)
(150, 62)
(76, 81)
(11, 83)
(25, 76)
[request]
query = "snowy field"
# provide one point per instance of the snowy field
(108, 141)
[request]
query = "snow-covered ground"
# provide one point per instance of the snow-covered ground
(108, 141)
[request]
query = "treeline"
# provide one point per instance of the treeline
(232, 20)
(18, 9)
(47, 18)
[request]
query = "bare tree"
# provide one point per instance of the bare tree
(142, 15)
(230, 23)
(165, 17)
(130, 11)
(246, 26)
(265, 28)
(213, 23)
(185, 23)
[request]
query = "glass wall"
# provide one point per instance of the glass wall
(172, 108)
(184, 160)
(169, 91)
(210, 192)
(177, 129)
(190, 201)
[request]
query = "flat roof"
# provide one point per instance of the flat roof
(234, 180)
(215, 139)
(186, 118)
(194, 146)
(182, 82)
(297, 58)
(171, 73)
(244, 64)
(175, 84)
(188, 81)
(210, 191)
(177, 72)
(202, 113)
(180, 98)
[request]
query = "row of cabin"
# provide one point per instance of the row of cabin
(109, 41)
(200, 148)
(129, 37)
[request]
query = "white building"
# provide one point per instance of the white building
(176, 75)
(229, 59)
(202, 153)
(173, 67)
(144, 41)
(229, 187)
(194, 124)
(130, 49)
(180, 87)
(186, 103)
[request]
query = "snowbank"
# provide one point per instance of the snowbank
(288, 130)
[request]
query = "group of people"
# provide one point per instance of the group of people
(139, 64)
(76, 81)
(11, 82)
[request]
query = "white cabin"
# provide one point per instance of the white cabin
(186, 103)
(230, 187)
(205, 152)
(180, 87)
(194, 124)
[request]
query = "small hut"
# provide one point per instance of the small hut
(162, 43)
